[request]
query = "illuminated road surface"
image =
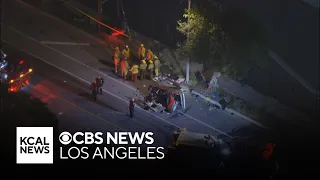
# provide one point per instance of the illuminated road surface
(70, 100)
(25, 28)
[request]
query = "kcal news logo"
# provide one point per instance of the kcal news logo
(128, 145)
(34, 145)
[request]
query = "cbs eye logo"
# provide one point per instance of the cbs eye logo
(65, 138)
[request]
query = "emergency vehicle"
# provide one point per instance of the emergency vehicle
(15, 72)
(163, 98)
(209, 153)
(197, 151)
(186, 139)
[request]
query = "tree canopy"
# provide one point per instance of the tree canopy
(220, 40)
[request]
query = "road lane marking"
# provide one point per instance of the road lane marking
(75, 76)
(102, 42)
(65, 43)
(74, 105)
(19, 32)
(35, 40)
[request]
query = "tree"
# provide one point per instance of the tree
(246, 35)
(205, 44)
(221, 40)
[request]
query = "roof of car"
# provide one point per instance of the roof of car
(170, 89)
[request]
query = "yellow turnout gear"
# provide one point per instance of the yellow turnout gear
(156, 66)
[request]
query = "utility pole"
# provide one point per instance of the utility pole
(99, 14)
(188, 60)
(118, 7)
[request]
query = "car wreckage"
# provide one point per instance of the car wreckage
(163, 98)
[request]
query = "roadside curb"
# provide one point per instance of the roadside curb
(231, 111)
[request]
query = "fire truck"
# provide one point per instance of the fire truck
(15, 72)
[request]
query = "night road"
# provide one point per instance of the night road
(39, 35)
(66, 60)
(71, 101)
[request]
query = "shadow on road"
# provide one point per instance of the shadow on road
(106, 63)
(20, 110)
(100, 103)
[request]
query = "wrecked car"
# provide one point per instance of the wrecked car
(164, 98)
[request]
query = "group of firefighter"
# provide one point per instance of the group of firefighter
(148, 66)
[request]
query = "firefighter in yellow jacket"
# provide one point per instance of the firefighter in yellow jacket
(124, 68)
(150, 69)
(156, 65)
(126, 52)
(116, 59)
(149, 55)
(134, 72)
(142, 68)
(141, 52)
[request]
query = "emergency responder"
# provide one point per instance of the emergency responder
(131, 107)
(149, 55)
(150, 69)
(141, 52)
(156, 66)
(124, 65)
(142, 68)
(134, 72)
(126, 52)
(93, 88)
(99, 81)
(116, 59)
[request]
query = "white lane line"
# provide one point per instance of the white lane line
(17, 31)
(35, 40)
(56, 97)
(65, 43)
(71, 74)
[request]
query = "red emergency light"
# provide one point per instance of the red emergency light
(121, 32)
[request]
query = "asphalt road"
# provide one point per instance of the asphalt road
(25, 29)
(70, 100)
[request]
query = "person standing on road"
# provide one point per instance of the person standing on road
(150, 69)
(116, 59)
(141, 52)
(142, 69)
(156, 66)
(126, 52)
(134, 72)
(124, 68)
(94, 89)
(131, 107)
(100, 82)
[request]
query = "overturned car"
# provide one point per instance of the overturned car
(165, 98)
